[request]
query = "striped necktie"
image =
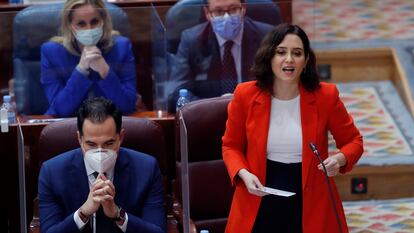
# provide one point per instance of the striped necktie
(229, 73)
(103, 223)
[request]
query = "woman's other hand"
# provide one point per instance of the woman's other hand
(333, 164)
(252, 183)
(92, 58)
(88, 53)
(99, 64)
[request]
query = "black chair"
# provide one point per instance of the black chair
(32, 27)
(209, 188)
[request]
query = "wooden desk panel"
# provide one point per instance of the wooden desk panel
(10, 179)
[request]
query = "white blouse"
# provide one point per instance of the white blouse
(284, 142)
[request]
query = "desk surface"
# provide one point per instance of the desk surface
(156, 116)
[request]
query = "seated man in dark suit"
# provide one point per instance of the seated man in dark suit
(216, 55)
(101, 187)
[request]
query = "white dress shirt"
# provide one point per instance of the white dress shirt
(79, 223)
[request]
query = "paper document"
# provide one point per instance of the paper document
(277, 192)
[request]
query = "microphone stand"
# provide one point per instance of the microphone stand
(315, 151)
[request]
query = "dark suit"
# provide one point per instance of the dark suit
(197, 65)
(64, 187)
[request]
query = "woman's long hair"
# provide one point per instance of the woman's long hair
(262, 66)
(67, 37)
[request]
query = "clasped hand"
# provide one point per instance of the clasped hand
(102, 193)
(91, 58)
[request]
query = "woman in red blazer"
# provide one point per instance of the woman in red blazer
(270, 124)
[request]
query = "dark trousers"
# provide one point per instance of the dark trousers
(276, 213)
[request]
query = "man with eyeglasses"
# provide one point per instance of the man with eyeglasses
(213, 57)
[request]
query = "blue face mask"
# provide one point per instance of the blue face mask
(227, 26)
(89, 36)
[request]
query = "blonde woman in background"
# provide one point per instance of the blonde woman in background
(89, 59)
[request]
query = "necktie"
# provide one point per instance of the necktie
(103, 223)
(229, 73)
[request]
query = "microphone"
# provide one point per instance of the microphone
(315, 151)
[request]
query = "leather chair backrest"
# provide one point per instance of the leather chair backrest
(32, 27)
(141, 134)
(210, 191)
(187, 13)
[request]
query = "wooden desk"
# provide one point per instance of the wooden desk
(31, 133)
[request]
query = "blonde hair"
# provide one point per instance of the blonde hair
(68, 39)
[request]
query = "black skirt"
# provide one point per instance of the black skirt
(276, 213)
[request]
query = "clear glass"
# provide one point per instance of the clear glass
(159, 61)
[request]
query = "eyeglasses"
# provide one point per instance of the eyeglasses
(234, 10)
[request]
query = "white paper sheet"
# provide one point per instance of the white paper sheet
(277, 192)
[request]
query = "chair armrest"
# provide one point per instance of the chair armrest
(35, 224)
(172, 223)
(178, 214)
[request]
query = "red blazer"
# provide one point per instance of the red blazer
(245, 142)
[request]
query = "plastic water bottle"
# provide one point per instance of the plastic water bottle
(182, 100)
(11, 114)
(3, 120)
(15, 1)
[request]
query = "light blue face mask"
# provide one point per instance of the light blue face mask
(227, 26)
(89, 36)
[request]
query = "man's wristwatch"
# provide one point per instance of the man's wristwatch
(121, 215)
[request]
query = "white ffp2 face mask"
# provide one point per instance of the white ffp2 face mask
(101, 160)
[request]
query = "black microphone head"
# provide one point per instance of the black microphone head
(312, 146)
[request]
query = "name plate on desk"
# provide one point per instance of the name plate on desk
(32, 2)
(50, 120)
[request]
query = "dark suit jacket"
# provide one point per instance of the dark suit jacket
(197, 65)
(64, 187)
